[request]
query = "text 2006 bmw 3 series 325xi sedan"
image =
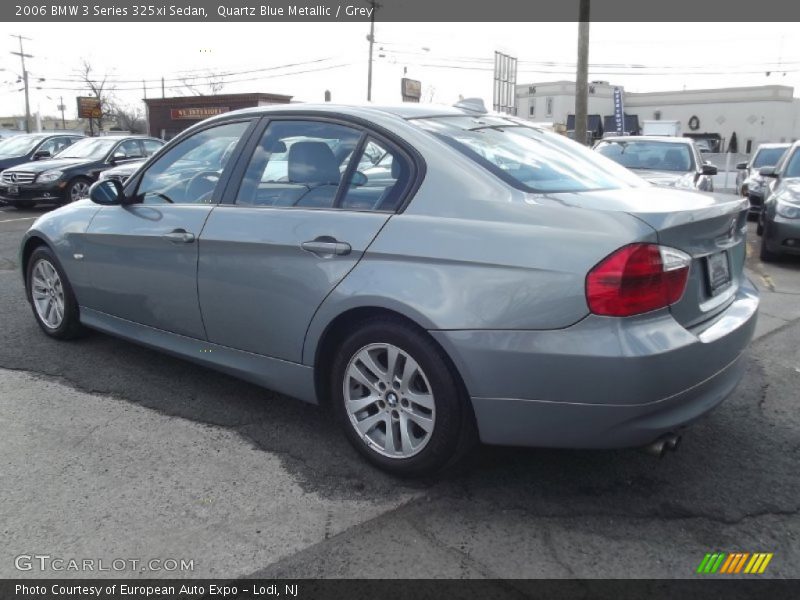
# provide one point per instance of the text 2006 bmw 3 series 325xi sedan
(435, 275)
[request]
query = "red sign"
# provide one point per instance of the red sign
(196, 114)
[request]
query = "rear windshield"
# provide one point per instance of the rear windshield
(652, 156)
(768, 157)
(528, 158)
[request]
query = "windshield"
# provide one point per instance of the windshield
(529, 158)
(765, 157)
(89, 148)
(18, 146)
(793, 166)
(654, 156)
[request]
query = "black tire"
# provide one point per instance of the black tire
(70, 326)
(765, 254)
(454, 431)
(71, 187)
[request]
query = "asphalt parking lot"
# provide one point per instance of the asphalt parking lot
(109, 450)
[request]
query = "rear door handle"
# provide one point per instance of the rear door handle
(179, 236)
(326, 246)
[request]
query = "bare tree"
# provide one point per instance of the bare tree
(100, 89)
(128, 117)
(208, 84)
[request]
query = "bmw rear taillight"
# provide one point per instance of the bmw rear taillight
(637, 279)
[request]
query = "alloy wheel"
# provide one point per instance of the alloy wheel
(79, 189)
(389, 400)
(47, 293)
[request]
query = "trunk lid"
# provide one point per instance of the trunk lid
(711, 228)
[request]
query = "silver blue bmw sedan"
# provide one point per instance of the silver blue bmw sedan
(435, 275)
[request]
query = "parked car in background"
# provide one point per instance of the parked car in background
(749, 182)
(67, 176)
(25, 148)
(664, 161)
(779, 219)
(431, 273)
(122, 172)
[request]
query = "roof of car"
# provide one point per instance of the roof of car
(125, 137)
(774, 145)
(404, 111)
(648, 138)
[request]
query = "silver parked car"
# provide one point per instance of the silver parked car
(665, 161)
(749, 182)
(434, 274)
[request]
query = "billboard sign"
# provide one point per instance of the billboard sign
(89, 107)
(411, 89)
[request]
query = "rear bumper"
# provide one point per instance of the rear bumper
(603, 382)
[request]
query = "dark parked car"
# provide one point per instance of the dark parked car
(779, 220)
(67, 176)
(26, 148)
(749, 182)
(433, 274)
(663, 161)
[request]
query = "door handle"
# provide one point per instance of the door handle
(326, 246)
(179, 236)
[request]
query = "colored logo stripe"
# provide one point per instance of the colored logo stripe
(734, 563)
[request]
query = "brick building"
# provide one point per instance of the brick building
(167, 117)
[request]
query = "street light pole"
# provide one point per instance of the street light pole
(371, 39)
(582, 76)
(61, 107)
(22, 57)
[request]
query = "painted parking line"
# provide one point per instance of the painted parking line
(19, 219)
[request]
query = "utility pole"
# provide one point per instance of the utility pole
(22, 57)
(61, 107)
(162, 88)
(144, 89)
(582, 76)
(371, 39)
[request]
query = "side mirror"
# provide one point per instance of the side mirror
(41, 154)
(768, 172)
(709, 169)
(117, 156)
(358, 179)
(107, 192)
(741, 165)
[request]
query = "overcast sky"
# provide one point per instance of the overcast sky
(450, 59)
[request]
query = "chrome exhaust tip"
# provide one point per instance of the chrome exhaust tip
(668, 442)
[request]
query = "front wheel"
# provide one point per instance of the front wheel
(398, 399)
(51, 297)
(78, 189)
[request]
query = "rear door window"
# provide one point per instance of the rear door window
(299, 164)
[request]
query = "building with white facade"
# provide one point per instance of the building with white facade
(768, 113)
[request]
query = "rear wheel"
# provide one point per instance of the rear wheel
(398, 399)
(51, 297)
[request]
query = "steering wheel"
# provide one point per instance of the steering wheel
(201, 185)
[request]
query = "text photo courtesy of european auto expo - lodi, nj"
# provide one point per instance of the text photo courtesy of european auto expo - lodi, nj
(399, 300)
